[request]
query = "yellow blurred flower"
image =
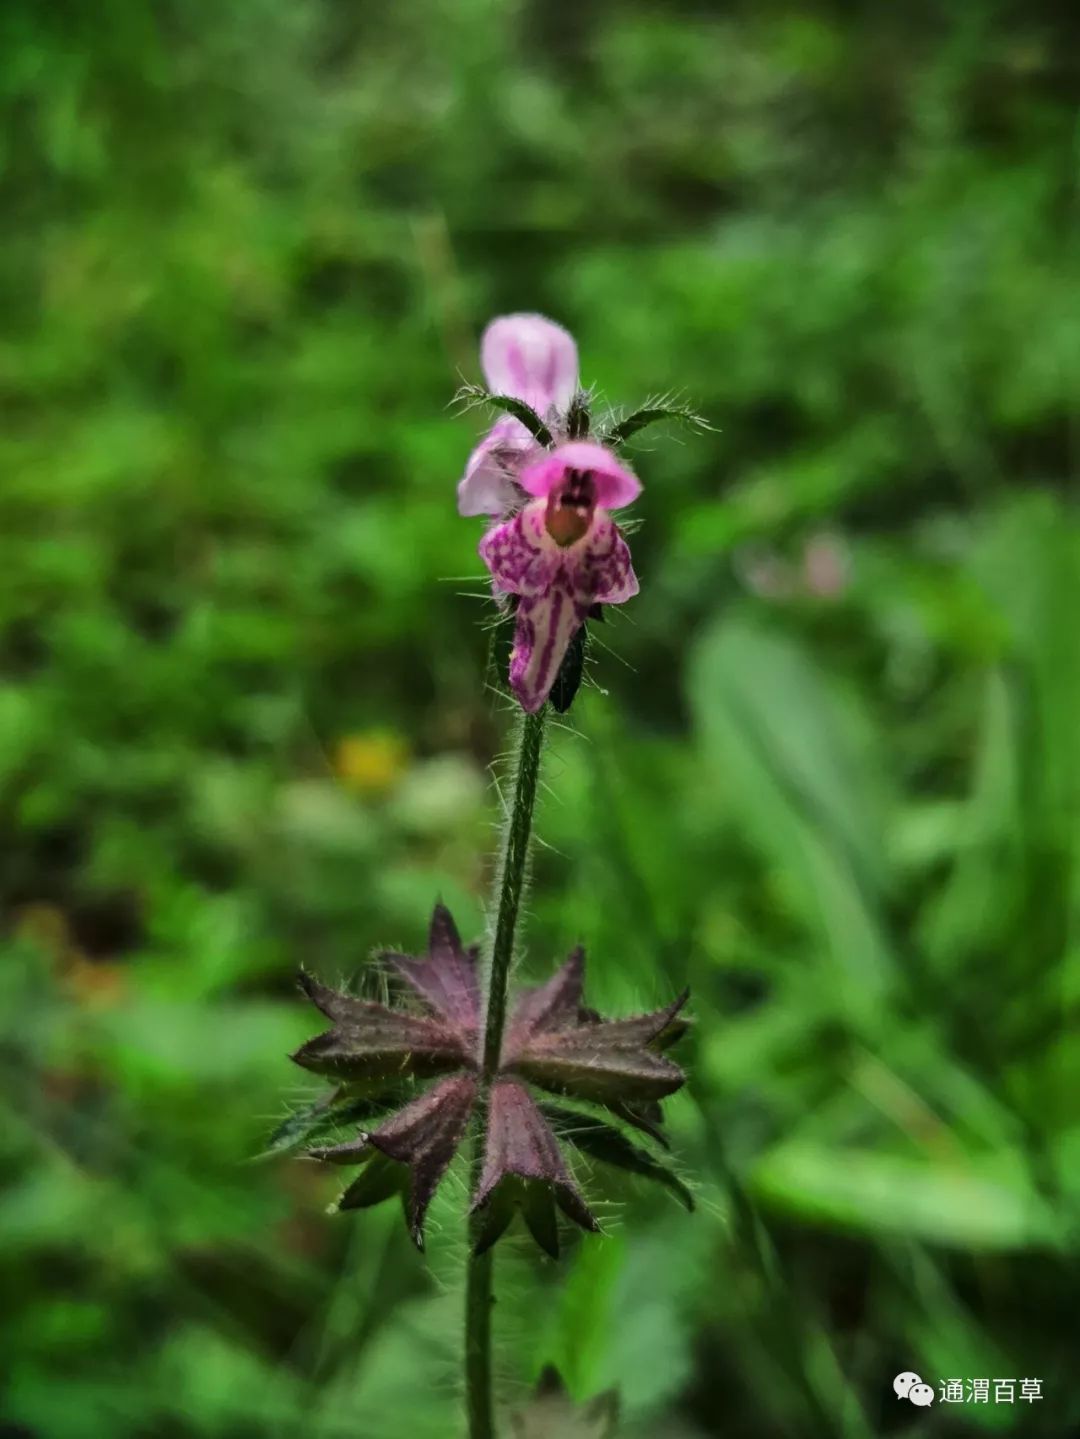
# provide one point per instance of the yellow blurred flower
(372, 762)
(95, 983)
(46, 928)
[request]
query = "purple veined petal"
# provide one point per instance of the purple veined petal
(446, 981)
(548, 1006)
(425, 1135)
(557, 587)
(488, 486)
(546, 624)
(521, 1142)
(521, 555)
(531, 358)
(615, 484)
(603, 572)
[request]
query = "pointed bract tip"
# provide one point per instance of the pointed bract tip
(442, 929)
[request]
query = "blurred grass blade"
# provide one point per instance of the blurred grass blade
(800, 778)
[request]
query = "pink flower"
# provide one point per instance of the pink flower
(533, 360)
(561, 555)
(555, 547)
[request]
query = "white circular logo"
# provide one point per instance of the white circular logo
(909, 1385)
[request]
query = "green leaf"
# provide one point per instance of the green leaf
(808, 789)
(652, 414)
(975, 1202)
(610, 1145)
(320, 1120)
(476, 395)
(588, 1318)
(381, 1178)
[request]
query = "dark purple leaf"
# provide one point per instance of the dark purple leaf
(538, 1211)
(571, 672)
(549, 1006)
(573, 1062)
(446, 981)
(653, 1028)
(425, 1135)
(370, 1041)
(351, 1151)
(520, 1143)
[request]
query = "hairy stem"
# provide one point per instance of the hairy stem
(478, 1304)
(509, 887)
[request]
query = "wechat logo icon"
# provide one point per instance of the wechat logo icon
(909, 1386)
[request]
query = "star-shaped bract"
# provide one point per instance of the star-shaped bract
(610, 1069)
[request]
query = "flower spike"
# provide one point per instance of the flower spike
(555, 546)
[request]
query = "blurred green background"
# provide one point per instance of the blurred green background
(827, 770)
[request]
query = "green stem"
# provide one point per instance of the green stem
(509, 886)
(478, 1303)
